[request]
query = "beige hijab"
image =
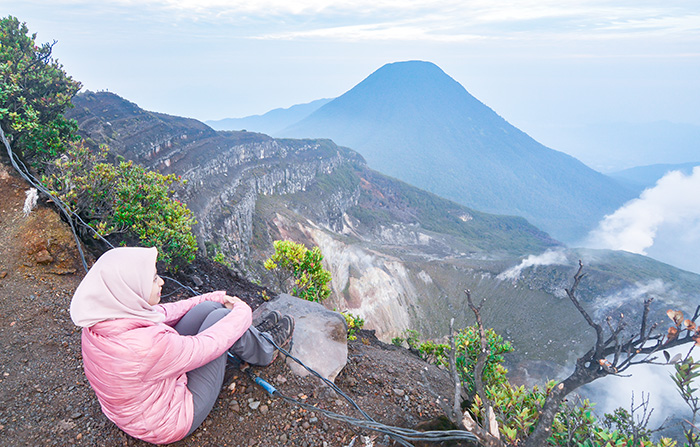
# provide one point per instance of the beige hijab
(117, 286)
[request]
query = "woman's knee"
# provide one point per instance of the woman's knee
(207, 306)
(191, 322)
(214, 316)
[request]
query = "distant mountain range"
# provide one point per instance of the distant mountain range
(610, 147)
(412, 121)
(271, 122)
(642, 177)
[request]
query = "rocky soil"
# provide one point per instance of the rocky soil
(46, 400)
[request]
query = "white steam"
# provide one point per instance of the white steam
(634, 295)
(664, 222)
(549, 257)
(654, 381)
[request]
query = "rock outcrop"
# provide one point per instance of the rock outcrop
(320, 335)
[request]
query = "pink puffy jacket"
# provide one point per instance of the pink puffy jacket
(137, 367)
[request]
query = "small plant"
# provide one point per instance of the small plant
(433, 352)
(686, 372)
(294, 263)
(468, 348)
(412, 339)
(354, 322)
(221, 259)
(398, 341)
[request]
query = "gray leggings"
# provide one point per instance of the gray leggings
(205, 382)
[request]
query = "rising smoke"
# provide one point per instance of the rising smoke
(549, 257)
(664, 222)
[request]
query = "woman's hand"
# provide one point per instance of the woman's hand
(230, 301)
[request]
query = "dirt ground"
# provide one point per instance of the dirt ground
(45, 398)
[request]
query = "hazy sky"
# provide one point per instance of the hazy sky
(541, 64)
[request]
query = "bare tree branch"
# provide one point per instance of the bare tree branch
(457, 408)
(594, 364)
(490, 436)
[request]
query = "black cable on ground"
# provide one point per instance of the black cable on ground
(182, 286)
(400, 435)
(315, 373)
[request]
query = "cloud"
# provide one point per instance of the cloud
(673, 203)
(427, 20)
(549, 257)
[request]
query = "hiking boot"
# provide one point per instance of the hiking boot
(268, 322)
(282, 332)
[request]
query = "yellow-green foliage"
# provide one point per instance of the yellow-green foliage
(468, 347)
(125, 201)
(303, 267)
(354, 322)
(517, 412)
(221, 259)
(687, 372)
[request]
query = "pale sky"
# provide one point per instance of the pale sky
(541, 64)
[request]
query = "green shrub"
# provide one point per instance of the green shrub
(221, 259)
(685, 377)
(34, 92)
(397, 341)
(302, 267)
(124, 201)
(412, 339)
(354, 322)
(432, 352)
(468, 345)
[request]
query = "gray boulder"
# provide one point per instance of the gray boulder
(320, 335)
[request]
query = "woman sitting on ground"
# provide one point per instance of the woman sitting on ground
(157, 369)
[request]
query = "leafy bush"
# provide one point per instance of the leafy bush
(432, 352)
(354, 322)
(302, 267)
(412, 339)
(468, 346)
(221, 259)
(397, 341)
(124, 201)
(687, 371)
(34, 92)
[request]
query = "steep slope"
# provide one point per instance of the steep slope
(412, 121)
(228, 171)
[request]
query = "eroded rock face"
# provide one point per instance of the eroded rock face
(320, 335)
(226, 172)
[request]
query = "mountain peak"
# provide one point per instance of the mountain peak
(414, 67)
(412, 121)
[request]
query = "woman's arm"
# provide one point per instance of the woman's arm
(174, 354)
(174, 311)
